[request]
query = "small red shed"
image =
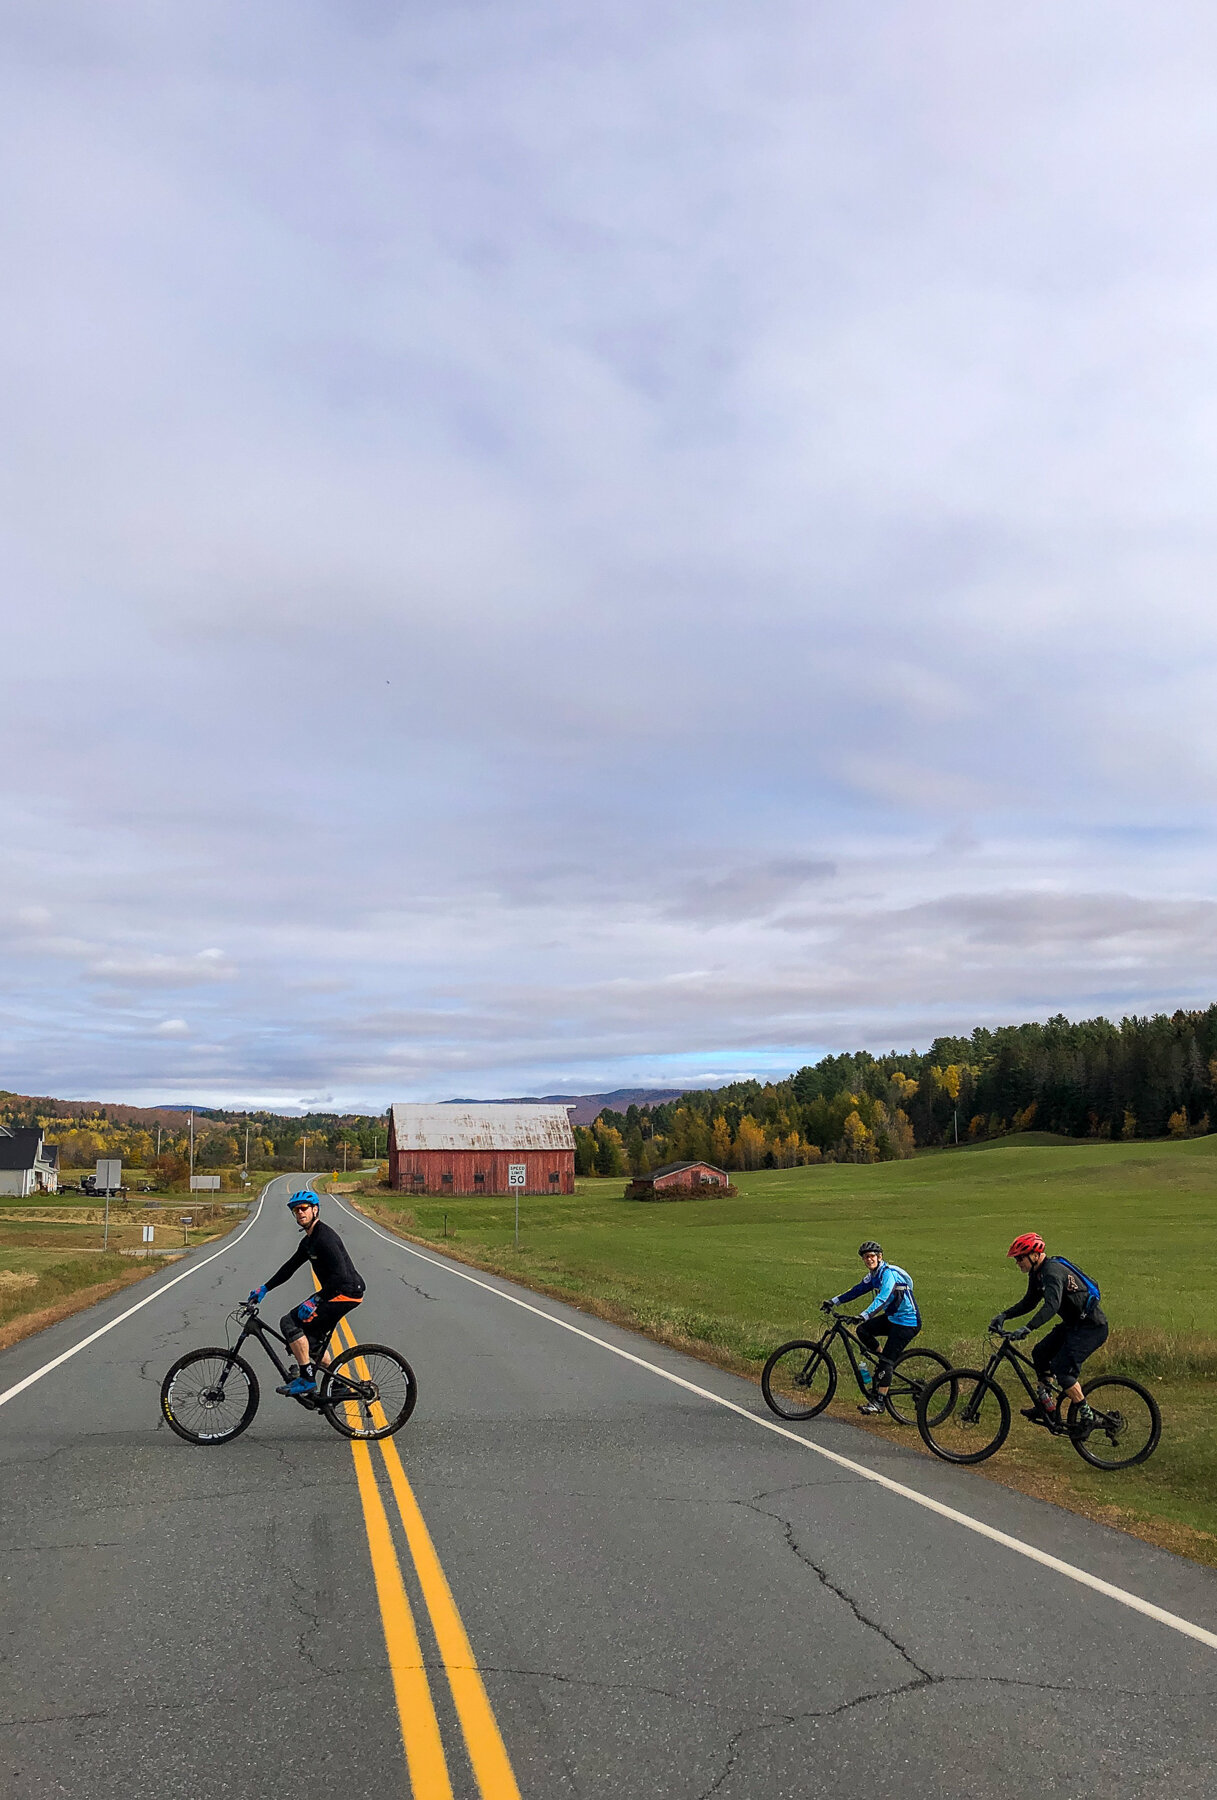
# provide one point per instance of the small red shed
(474, 1149)
(678, 1178)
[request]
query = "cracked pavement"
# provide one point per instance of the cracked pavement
(663, 1599)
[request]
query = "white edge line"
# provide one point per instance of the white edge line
(20, 1386)
(1134, 1601)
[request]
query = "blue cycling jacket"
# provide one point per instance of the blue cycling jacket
(893, 1291)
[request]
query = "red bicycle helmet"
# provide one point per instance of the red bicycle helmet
(1029, 1244)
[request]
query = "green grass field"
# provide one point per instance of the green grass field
(732, 1278)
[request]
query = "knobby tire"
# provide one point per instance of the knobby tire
(917, 1367)
(197, 1408)
(1116, 1449)
(363, 1418)
(951, 1433)
(790, 1380)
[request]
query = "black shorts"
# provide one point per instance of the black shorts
(1066, 1347)
(316, 1319)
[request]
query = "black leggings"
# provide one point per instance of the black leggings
(899, 1337)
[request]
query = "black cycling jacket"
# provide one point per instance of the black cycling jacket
(331, 1264)
(1059, 1291)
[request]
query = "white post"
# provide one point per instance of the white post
(517, 1175)
(105, 1239)
(192, 1146)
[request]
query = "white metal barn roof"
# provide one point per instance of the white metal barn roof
(487, 1127)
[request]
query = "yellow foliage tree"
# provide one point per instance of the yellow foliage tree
(859, 1140)
(720, 1143)
(750, 1145)
(1177, 1123)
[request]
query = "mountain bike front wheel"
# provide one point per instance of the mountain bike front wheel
(798, 1381)
(209, 1396)
(369, 1392)
(909, 1375)
(1127, 1423)
(974, 1427)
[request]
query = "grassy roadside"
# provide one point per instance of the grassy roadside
(729, 1279)
(37, 1290)
(51, 1265)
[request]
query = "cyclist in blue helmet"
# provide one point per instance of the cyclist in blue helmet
(308, 1327)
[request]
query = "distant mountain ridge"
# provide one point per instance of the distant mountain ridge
(585, 1108)
(115, 1110)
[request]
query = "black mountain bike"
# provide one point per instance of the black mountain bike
(800, 1378)
(976, 1422)
(210, 1396)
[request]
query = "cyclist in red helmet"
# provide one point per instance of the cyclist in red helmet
(1059, 1288)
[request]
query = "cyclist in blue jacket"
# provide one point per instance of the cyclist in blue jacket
(894, 1305)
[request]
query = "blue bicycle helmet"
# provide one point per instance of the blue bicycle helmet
(303, 1197)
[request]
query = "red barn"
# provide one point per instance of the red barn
(678, 1178)
(466, 1149)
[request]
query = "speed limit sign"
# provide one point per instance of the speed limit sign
(516, 1173)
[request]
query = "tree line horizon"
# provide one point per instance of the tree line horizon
(1146, 1077)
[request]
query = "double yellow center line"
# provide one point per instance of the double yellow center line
(420, 1728)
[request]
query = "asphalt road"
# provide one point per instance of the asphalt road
(662, 1597)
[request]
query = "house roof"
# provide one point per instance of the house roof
(698, 1162)
(485, 1127)
(20, 1149)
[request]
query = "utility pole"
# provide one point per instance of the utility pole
(192, 1152)
(957, 1125)
(247, 1146)
(344, 1156)
(158, 1140)
(304, 1152)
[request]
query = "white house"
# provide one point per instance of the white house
(27, 1164)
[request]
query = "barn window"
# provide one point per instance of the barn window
(447, 1179)
(479, 1175)
(554, 1175)
(418, 1175)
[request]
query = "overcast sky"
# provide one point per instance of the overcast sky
(548, 547)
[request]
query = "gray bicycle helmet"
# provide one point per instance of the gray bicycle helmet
(870, 1248)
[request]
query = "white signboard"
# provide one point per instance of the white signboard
(204, 1184)
(109, 1173)
(516, 1174)
(148, 1233)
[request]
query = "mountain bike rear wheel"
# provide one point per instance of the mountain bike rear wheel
(209, 1396)
(374, 1395)
(974, 1427)
(798, 1381)
(910, 1373)
(1128, 1423)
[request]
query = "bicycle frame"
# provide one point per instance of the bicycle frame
(855, 1352)
(255, 1326)
(1020, 1363)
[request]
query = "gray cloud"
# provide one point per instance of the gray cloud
(598, 546)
